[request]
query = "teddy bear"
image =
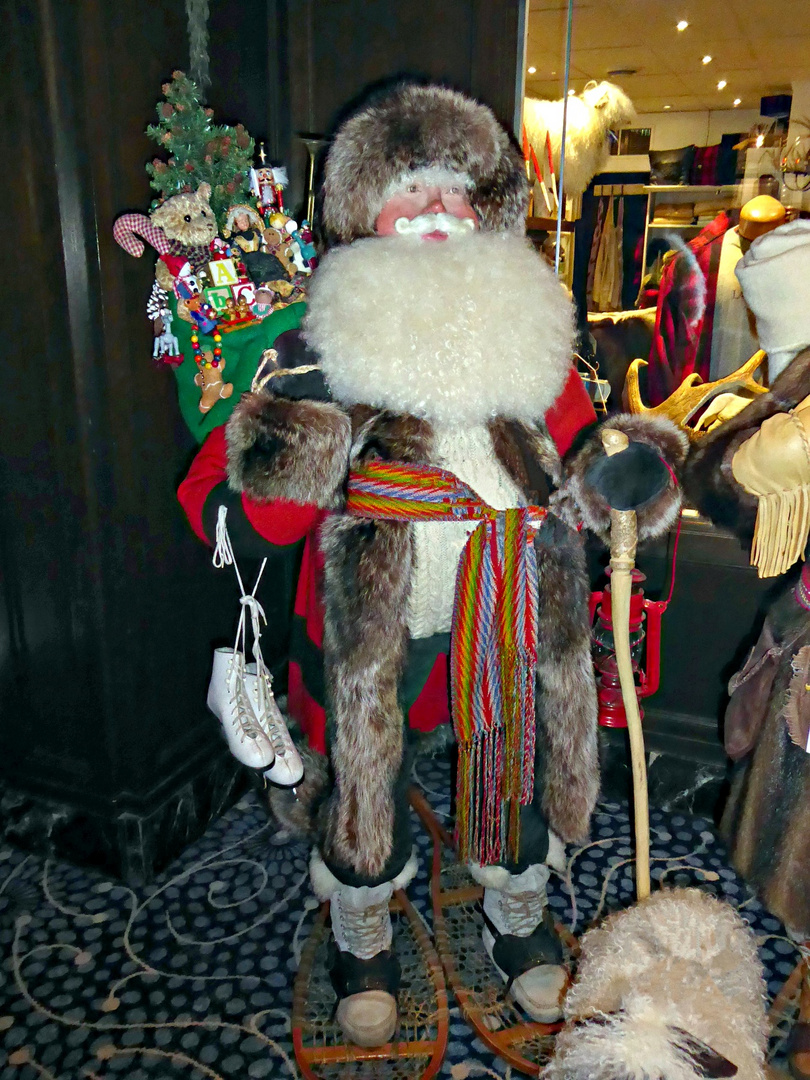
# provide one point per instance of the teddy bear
(189, 224)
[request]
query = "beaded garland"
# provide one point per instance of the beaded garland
(199, 358)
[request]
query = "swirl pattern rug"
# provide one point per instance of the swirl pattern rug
(191, 977)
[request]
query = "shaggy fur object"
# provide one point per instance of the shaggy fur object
(451, 347)
(565, 701)
(576, 501)
(600, 108)
(281, 449)
(670, 989)
(416, 127)
(708, 479)
(325, 884)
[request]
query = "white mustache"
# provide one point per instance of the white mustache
(428, 223)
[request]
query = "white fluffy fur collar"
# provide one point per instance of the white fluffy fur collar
(455, 332)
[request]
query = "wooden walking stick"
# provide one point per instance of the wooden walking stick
(622, 560)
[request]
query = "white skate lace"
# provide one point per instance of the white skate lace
(523, 912)
(251, 721)
(364, 929)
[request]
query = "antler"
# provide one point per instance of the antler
(693, 393)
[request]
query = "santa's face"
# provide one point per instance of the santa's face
(427, 211)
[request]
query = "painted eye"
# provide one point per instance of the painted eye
(413, 189)
(454, 191)
(187, 217)
(204, 213)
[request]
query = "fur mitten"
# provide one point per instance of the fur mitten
(586, 480)
(284, 449)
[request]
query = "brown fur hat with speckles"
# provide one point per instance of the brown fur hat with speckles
(414, 128)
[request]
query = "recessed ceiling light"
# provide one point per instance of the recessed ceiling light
(737, 101)
(667, 106)
(532, 70)
(722, 84)
(571, 93)
(682, 25)
(706, 59)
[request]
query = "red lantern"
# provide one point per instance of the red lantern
(645, 650)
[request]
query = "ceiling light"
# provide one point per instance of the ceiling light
(571, 93)
(682, 25)
(759, 140)
(737, 101)
(706, 59)
(532, 70)
(722, 84)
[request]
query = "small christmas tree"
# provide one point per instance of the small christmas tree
(198, 150)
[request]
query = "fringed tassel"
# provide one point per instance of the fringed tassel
(780, 534)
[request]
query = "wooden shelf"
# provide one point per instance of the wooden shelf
(542, 224)
(691, 189)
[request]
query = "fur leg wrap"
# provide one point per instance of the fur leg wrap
(576, 501)
(283, 449)
(325, 884)
(566, 687)
(367, 578)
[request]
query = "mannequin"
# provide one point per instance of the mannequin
(733, 337)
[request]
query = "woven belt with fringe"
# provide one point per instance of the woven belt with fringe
(493, 643)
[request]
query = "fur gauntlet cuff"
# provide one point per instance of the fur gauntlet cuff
(708, 479)
(282, 449)
(577, 501)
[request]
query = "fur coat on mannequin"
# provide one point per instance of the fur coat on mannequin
(766, 821)
(382, 369)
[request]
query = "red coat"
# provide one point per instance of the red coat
(281, 523)
(682, 342)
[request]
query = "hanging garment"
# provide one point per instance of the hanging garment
(608, 263)
(618, 281)
(597, 239)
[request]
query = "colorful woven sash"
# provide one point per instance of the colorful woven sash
(493, 643)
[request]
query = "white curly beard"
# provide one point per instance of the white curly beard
(456, 332)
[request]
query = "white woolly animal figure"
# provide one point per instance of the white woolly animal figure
(600, 108)
(670, 989)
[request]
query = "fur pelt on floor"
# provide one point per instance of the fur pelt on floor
(670, 989)
(600, 108)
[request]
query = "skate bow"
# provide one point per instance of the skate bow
(493, 642)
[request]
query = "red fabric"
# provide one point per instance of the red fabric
(681, 343)
(570, 413)
(282, 522)
(207, 470)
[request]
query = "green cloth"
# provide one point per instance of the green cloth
(241, 350)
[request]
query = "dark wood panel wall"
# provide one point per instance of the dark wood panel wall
(108, 605)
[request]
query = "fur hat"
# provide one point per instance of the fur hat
(413, 128)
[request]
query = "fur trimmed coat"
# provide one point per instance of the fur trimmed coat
(298, 453)
(766, 822)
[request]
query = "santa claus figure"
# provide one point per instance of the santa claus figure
(419, 436)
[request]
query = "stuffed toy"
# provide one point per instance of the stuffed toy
(189, 225)
(416, 435)
(592, 115)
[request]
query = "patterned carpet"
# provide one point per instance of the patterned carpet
(191, 977)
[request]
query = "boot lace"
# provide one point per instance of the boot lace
(364, 929)
(524, 911)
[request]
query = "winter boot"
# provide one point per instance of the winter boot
(519, 937)
(365, 970)
(228, 701)
(288, 768)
